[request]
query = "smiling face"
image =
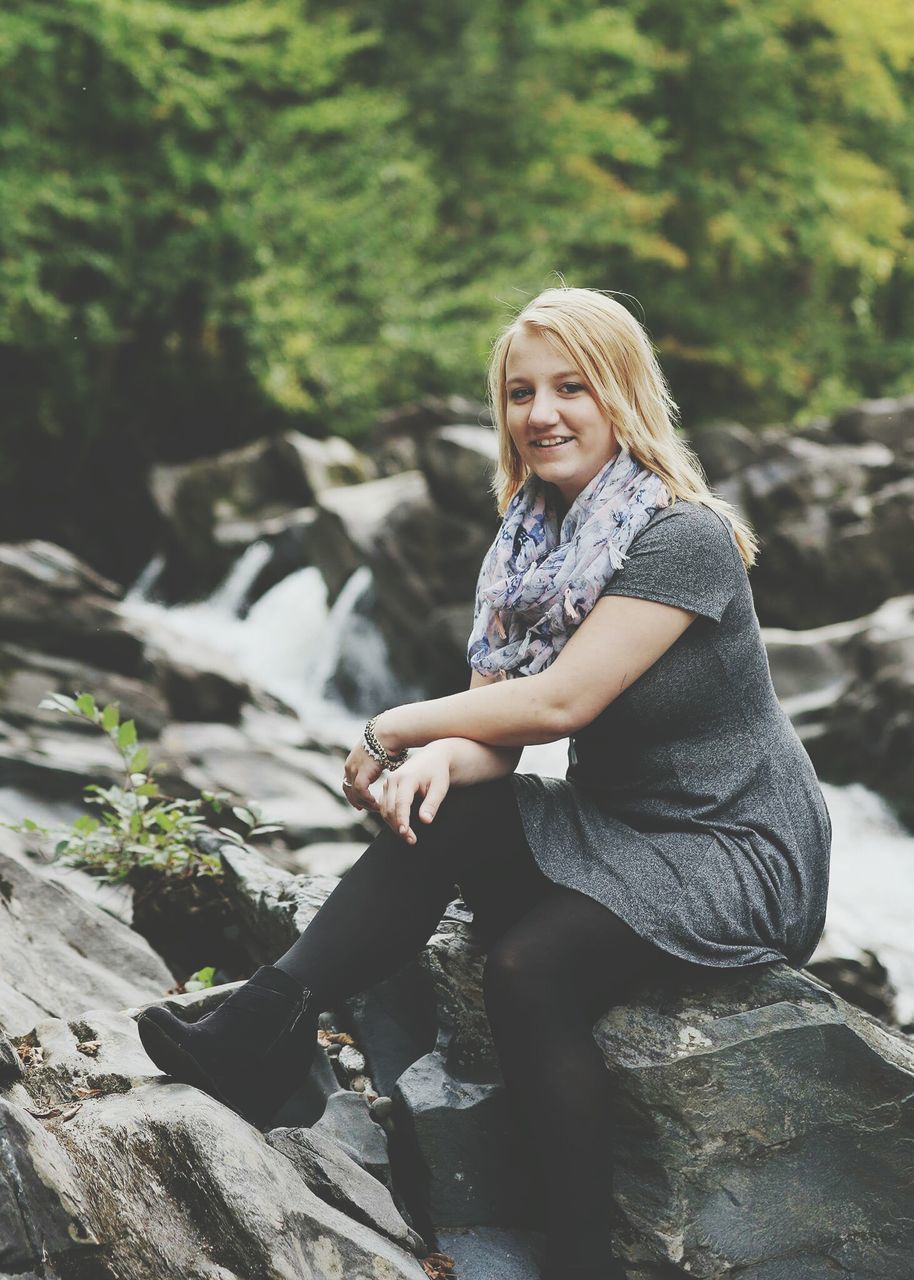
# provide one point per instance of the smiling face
(553, 417)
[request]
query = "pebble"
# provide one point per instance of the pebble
(352, 1060)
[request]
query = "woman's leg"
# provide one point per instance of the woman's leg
(389, 903)
(548, 978)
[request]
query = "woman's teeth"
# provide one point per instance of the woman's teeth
(552, 443)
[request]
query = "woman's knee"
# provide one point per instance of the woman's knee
(514, 972)
(469, 820)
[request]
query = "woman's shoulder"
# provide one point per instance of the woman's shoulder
(684, 555)
(692, 528)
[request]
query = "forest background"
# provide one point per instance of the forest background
(223, 220)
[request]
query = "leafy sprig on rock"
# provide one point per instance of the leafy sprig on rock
(136, 824)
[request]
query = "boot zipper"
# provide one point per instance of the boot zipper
(299, 1013)
(296, 1013)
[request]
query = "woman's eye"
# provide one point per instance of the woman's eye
(566, 386)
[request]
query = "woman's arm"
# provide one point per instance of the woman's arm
(615, 644)
(476, 761)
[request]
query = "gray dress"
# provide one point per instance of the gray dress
(691, 808)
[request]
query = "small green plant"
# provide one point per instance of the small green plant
(202, 980)
(137, 825)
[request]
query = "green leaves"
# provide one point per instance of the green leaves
(134, 824)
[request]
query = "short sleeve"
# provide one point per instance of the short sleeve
(684, 556)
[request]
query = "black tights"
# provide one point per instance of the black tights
(555, 961)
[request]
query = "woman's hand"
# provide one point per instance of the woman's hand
(426, 773)
(359, 772)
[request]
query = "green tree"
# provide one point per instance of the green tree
(205, 230)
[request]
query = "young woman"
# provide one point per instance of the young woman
(613, 608)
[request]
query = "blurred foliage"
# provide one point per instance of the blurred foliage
(218, 220)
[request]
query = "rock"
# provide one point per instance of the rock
(889, 422)
(325, 858)
(10, 1066)
(62, 953)
(198, 681)
(458, 1150)
(44, 1216)
(193, 497)
(494, 1251)
(324, 464)
(725, 448)
(98, 1050)
(351, 521)
(459, 464)
(341, 1182)
(296, 787)
(27, 677)
(201, 1194)
(422, 416)
(850, 683)
(382, 525)
(347, 1120)
(804, 500)
(57, 763)
(287, 538)
(273, 907)
(737, 1087)
(836, 522)
(202, 501)
(53, 602)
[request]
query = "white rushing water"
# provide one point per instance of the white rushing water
(290, 643)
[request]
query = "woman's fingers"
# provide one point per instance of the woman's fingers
(356, 790)
(395, 807)
(435, 792)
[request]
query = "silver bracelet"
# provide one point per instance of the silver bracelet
(377, 752)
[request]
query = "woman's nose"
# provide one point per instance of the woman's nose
(543, 411)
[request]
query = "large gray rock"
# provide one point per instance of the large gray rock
(851, 683)
(45, 1216)
(297, 787)
(60, 952)
(835, 514)
(736, 1095)
(50, 600)
(172, 1153)
(342, 1182)
(887, 421)
(202, 501)
(459, 465)
(27, 677)
(201, 1194)
(351, 522)
(724, 448)
(763, 1126)
(423, 558)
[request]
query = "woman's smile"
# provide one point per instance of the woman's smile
(553, 443)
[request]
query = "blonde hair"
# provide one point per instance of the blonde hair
(614, 353)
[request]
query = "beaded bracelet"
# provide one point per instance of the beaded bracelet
(377, 752)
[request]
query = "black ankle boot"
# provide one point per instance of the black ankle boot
(251, 1053)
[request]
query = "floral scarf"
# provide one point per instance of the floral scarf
(539, 580)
